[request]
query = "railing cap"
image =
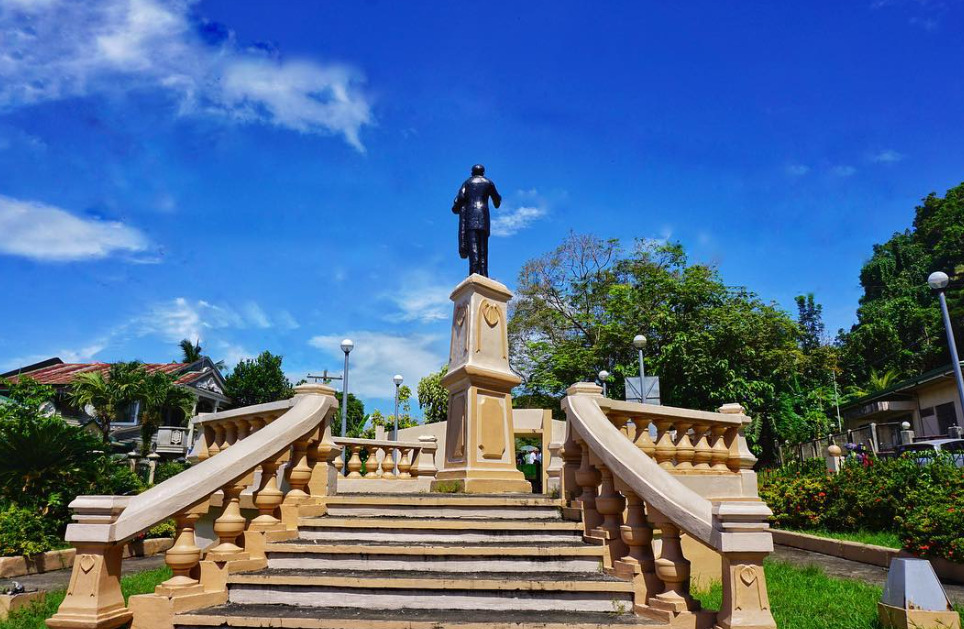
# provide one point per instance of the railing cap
(315, 388)
(585, 388)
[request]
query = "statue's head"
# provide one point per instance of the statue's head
(478, 170)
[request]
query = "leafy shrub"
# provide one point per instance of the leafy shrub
(922, 503)
(162, 529)
(24, 532)
(168, 470)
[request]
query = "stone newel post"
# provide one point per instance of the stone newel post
(480, 440)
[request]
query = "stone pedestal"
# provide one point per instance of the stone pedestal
(479, 439)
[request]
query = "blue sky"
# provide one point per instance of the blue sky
(279, 175)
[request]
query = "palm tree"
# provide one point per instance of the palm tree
(876, 382)
(190, 352)
(158, 394)
(108, 395)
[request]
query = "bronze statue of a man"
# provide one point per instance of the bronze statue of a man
(472, 206)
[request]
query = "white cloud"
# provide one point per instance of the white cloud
(888, 156)
(511, 222)
(378, 356)
(75, 355)
(287, 321)
(420, 298)
(843, 170)
(58, 49)
(47, 233)
(797, 170)
(232, 353)
(256, 315)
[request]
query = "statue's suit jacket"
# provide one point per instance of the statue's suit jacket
(472, 206)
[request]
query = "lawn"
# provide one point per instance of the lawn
(801, 598)
(33, 617)
(806, 598)
(887, 539)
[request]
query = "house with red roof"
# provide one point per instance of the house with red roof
(202, 378)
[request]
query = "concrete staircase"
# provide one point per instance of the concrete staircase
(428, 561)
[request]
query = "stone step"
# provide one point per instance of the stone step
(520, 507)
(436, 530)
(532, 592)
(452, 559)
(291, 617)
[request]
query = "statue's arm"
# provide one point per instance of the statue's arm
(459, 200)
(496, 197)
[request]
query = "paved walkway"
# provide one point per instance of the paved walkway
(58, 579)
(846, 569)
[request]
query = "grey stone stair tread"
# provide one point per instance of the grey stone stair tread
(415, 615)
(576, 542)
(446, 576)
(319, 520)
(366, 494)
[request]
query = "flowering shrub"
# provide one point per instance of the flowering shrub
(923, 502)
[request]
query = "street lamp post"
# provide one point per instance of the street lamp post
(938, 281)
(398, 380)
(639, 342)
(603, 377)
(346, 346)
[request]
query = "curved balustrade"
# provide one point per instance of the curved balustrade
(385, 459)
(630, 484)
(235, 445)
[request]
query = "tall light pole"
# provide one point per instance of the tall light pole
(346, 346)
(398, 380)
(938, 281)
(603, 377)
(639, 342)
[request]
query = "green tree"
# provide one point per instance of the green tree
(899, 325)
(433, 398)
(810, 320)
(355, 418)
(405, 420)
(109, 395)
(190, 352)
(159, 394)
(579, 306)
(258, 381)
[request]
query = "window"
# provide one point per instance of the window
(946, 417)
(927, 412)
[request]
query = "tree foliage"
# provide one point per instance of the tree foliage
(158, 393)
(433, 398)
(258, 381)
(355, 418)
(899, 325)
(579, 307)
(405, 419)
(109, 394)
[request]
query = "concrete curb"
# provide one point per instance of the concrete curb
(11, 567)
(862, 553)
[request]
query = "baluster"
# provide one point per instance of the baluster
(372, 468)
(244, 429)
(703, 452)
(354, 463)
(230, 435)
(720, 454)
(587, 477)
(619, 421)
(673, 569)
(572, 455)
(684, 447)
(638, 535)
(665, 448)
(732, 438)
(299, 472)
(404, 463)
(217, 439)
(643, 440)
(339, 461)
(426, 456)
(610, 505)
(183, 557)
(388, 464)
(229, 526)
(269, 496)
(207, 440)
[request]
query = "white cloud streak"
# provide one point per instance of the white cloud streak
(59, 49)
(378, 356)
(420, 298)
(50, 234)
(510, 222)
(843, 170)
(181, 318)
(888, 156)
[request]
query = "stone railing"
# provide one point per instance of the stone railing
(239, 448)
(626, 484)
(386, 460)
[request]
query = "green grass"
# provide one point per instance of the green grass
(33, 617)
(806, 598)
(887, 539)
